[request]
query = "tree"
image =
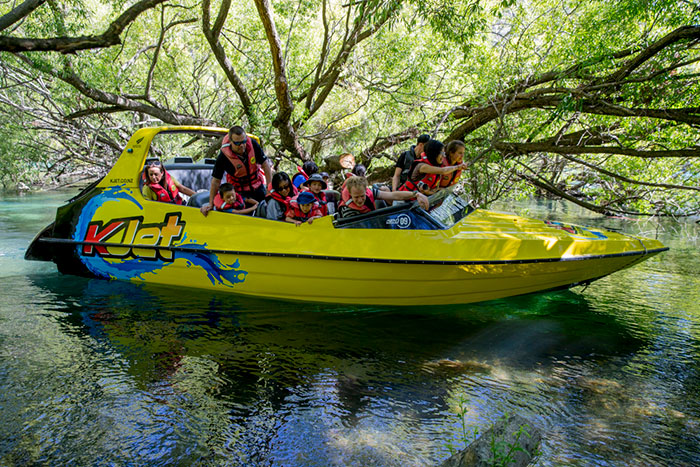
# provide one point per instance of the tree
(594, 103)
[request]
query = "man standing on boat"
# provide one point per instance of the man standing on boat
(243, 161)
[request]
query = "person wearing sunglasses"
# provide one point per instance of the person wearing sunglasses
(245, 166)
(278, 199)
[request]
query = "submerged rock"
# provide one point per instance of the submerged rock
(511, 441)
(447, 365)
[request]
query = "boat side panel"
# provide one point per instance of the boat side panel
(354, 282)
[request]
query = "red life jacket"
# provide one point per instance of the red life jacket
(295, 212)
(248, 175)
(283, 201)
(220, 205)
(451, 178)
(367, 207)
(167, 194)
(431, 180)
(322, 203)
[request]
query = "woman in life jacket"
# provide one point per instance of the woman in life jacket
(358, 198)
(454, 155)
(158, 185)
(302, 208)
(280, 195)
(426, 172)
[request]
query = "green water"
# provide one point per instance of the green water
(108, 373)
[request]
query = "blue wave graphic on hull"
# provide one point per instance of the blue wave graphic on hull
(217, 272)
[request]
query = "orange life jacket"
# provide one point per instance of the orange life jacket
(451, 178)
(248, 175)
(167, 194)
(431, 180)
(367, 207)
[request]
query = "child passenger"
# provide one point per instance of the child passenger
(315, 184)
(229, 201)
(303, 208)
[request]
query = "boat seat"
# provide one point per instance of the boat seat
(261, 210)
(199, 199)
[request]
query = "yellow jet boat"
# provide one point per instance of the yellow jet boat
(397, 255)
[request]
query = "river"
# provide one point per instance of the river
(95, 372)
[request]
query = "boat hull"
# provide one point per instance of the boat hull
(110, 231)
(379, 283)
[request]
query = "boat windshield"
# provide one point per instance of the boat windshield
(446, 209)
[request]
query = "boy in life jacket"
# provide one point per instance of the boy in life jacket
(358, 198)
(303, 208)
(315, 184)
(159, 185)
(454, 154)
(280, 195)
(228, 200)
(244, 164)
(426, 172)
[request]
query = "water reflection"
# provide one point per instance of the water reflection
(110, 373)
(262, 379)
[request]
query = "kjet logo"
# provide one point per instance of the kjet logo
(402, 221)
(130, 233)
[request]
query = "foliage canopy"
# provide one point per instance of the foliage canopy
(596, 102)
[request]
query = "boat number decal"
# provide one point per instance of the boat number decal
(402, 221)
(576, 230)
(132, 230)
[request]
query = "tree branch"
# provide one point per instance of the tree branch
(68, 45)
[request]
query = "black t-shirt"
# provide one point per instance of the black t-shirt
(404, 163)
(223, 165)
(401, 163)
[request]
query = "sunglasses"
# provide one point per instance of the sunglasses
(154, 164)
(239, 143)
(283, 187)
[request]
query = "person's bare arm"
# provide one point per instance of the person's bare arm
(215, 184)
(430, 169)
(395, 179)
(184, 189)
(267, 168)
(405, 196)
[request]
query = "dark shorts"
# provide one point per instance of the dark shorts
(258, 194)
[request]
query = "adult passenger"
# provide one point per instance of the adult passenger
(242, 160)
(358, 198)
(403, 165)
(426, 172)
(159, 185)
(280, 195)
